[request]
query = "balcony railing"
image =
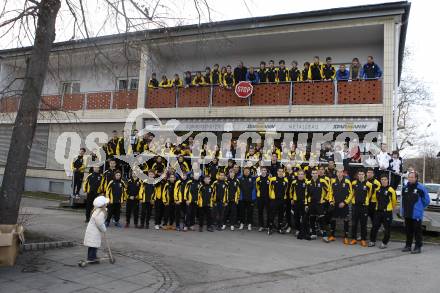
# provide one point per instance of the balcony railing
(290, 93)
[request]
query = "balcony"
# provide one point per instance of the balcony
(290, 93)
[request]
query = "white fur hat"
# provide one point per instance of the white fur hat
(100, 201)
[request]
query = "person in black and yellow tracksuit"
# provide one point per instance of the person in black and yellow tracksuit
(340, 198)
(205, 201)
(375, 185)
(93, 186)
(78, 166)
(315, 70)
(328, 70)
(179, 199)
(231, 201)
(182, 164)
(247, 198)
(109, 174)
(192, 196)
(159, 207)
(282, 73)
(288, 207)
(207, 75)
(228, 78)
(212, 169)
(317, 201)
(294, 72)
(278, 193)
(298, 191)
(262, 76)
(220, 194)
(215, 77)
(305, 71)
(386, 201)
(168, 196)
(362, 190)
(132, 200)
(115, 192)
(146, 198)
(271, 73)
(153, 82)
(165, 82)
(263, 200)
(199, 80)
(177, 82)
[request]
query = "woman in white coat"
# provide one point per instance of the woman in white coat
(96, 226)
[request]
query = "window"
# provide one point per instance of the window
(130, 83)
(70, 87)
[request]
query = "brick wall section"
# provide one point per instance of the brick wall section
(360, 92)
(50, 103)
(125, 100)
(98, 100)
(271, 94)
(226, 98)
(161, 98)
(194, 96)
(313, 93)
(9, 104)
(73, 102)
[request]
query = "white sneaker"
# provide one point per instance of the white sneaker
(156, 227)
(232, 228)
(249, 227)
(241, 226)
(325, 239)
(260, 229)
(313, 237)
(223, 227)
(296, 233)
(288, 230)
(383, 246)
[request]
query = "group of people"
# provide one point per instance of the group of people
(306, 199)
(269, 73)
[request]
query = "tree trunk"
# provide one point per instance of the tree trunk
(27, 114)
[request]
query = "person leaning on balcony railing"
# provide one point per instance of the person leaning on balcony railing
(215, 76)
(188, 79)
(262, 76)
(153, 82)
(282, 73)
(371, 70)
(252, 76)
(199, 79)
(315, 70)
(228, 78)
(305, 71)
(294, 72)
(342, 73)
(328, 70)
(207, 75)
(355, 69)
(165, 82)
(240, 72)
(177, 82)
(271, 72)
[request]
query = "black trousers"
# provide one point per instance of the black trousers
(114, 211)
(169, 214)
(205, 213)
(395, 181)
(318, 219)
(288, 212)
(371, 211)
(218, 213)
(245, 212)
(132, 208)
(190, 215)
(276, 209)
(77, 182)
(180, 209)
(89, 204)
(92, 253)
(382, 218)
(146, 208)
(359, 216)
(230, 213)
(263, 205)
(337, 213)
(158, 211)
(298, 215)
(413, 229)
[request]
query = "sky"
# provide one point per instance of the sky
(421, 41)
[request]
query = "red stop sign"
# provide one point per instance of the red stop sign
(244, 89)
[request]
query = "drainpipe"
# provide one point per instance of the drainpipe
(397, 28)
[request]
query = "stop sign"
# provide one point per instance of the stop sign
(244, 89)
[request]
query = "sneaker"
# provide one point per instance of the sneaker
(346, 242)
(232, 228)
(325, 239)
(249, 227)
(241, 226)
(281, 231)
(331, 238)
(156, 227)
(372, 244)
(191, 228)
(308, 237)
(178, 229)
(406, 249)
(260, 229)
(353, 242)
(383, 246)
(223, 227)
(117, 224)
(288, 230)
(185, 229)
(364, 243)
(416, 250)
(359, 238)
(313, 236)
(296, 233)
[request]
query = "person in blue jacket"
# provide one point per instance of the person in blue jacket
(342, 73)
(415, 199)
(371, 70)
(248, 196)
(252, 76)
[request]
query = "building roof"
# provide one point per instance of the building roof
(355, 12)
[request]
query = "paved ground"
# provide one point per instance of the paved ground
(165, 261)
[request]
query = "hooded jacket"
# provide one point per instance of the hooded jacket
(415, 199)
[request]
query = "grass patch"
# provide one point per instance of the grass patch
(45, 195)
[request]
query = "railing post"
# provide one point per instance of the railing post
(211, 94)
(335, 91)
(177, 97)
(112, 93)
(291, 96)
(62, 101)
(85, 102)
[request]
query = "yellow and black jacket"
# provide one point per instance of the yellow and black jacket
(362, 192)
(385, 199)
(375, 187)
(215, 77)
(315, 72)
(228, 79)
(299, 192)
(165, 83)
(180, 191)
(94, 183)
(116, 191)
(107, 177)
(262, 76)
(177, 83)
(233, 190)
(305, 74)
(199, 80)
(341, 191)
(192, 193)
(262, 186)
(220, 191)
(271, 74)
(328, 72)
(282, 74)
(78, 163)
(114, 146)
(318, 192)
(148, 192)
(205, 196)
(278, 188)
(184, 167)
(158, 167)
(168, 193)
(294, 74)
(153, 83)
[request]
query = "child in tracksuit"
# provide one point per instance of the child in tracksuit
(168, 201)
(179, 199)
(116, 192)
(220, 193)
(96, 226)
(192, 196)
(146, 198)
(231, 201)
(205, 203)
(158, 204)
(93, 186)
(132, 198)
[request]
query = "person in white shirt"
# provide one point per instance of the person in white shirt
(383, 160)
(395, 166)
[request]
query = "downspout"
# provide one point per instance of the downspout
(397, 28)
